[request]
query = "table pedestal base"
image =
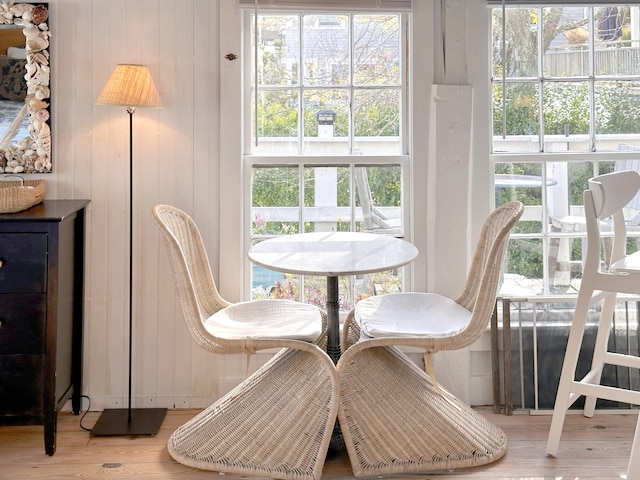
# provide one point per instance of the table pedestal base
(336, 444)
(333, 319)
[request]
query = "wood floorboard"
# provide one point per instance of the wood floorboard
(596, 448)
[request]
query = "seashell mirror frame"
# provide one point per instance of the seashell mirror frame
(31, 154)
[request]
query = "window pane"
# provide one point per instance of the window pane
(275, 197)
(278, 114)
(325, 60)
(522, 182)
(566, 42)
(326, 122)
(263, 281)
(376, 50)
(617, 107)
(520, 131)
(565, 257)
(523, 268)
(615, 52)
(325, 50)
(278, 47)
(277, 123)
(566, 116)
(287, 287)
(315, 291)
(566, 223)
(379, 197)
(377, 122)
(520, 58)
(327, 199)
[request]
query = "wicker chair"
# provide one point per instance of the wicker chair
(394, 416)
(278, 422)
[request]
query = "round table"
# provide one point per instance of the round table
(332, 254)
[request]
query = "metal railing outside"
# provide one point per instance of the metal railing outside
(533, 333)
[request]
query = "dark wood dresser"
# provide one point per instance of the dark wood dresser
(41, 310)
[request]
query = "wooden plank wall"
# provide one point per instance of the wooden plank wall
(175, 161)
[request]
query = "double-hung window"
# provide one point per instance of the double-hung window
(325, 131)
(565, 82)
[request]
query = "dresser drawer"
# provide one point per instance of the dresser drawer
(21, 386)
(22, 322)
(23, 262)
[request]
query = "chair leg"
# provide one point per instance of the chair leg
(564, 397)
(276, 424)
(600, 349)
(633, 470)
(395, 420)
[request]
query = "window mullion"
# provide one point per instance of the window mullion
(541, 82)
(592, 84)
(301, 85)
(351, 87)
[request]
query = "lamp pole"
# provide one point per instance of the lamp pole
(131, 86)
(130, 111)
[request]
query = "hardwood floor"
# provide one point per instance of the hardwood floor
(596, 448)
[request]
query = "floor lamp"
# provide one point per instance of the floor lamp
(130, 86)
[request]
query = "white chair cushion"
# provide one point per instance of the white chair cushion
(267, 319)
(410, 315)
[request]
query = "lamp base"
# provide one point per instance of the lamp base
(144, 421)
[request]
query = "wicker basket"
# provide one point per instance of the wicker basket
(18, 195)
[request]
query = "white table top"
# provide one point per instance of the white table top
(332, 254)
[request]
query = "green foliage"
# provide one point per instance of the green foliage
(276, 118)
(385, 185)
(525, 258)
(521, 109)
(566, 108)
(617, 108)
(279, 187)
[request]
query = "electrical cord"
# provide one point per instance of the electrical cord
(85, 413)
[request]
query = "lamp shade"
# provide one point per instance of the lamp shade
(132, 86)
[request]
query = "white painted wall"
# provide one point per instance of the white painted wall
(175, 161)
(185, 154)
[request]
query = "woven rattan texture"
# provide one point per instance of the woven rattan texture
(196, 287)
(394, 417)
(395, 420)
(15, 197)
(478, 295)
(276, 424)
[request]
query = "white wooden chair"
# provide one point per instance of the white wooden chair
(394, 416)
(278, 422)
(574, 222)
(607, 196)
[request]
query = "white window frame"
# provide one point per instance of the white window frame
(249, 161)
(546, 158)
(232, 200)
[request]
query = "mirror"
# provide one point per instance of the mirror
(25, 131)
